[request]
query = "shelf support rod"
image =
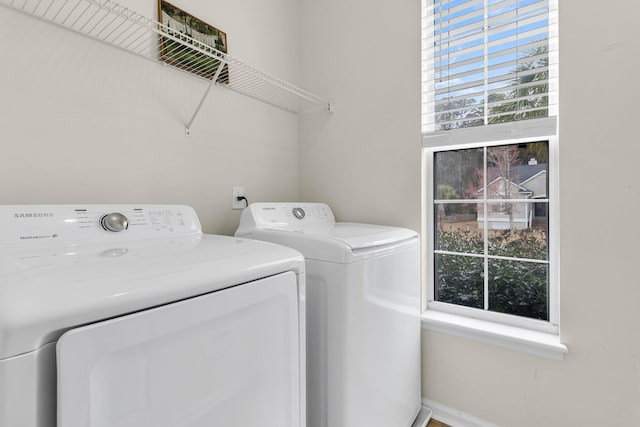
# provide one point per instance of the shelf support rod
(214, 79)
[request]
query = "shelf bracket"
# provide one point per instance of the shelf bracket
(214, 79)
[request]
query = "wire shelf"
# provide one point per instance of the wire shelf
(109, 22)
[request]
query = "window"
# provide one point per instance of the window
(490, 249)
(490, 143)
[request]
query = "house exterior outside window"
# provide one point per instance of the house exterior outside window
(490, 160)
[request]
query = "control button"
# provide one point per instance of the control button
(114, 222)
(298, 213)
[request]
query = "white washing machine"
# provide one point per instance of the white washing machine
(126, 316)
(363, 307)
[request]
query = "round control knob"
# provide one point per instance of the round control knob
(114, 222)
(298, 213)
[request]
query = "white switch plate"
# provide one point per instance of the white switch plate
(235, 203)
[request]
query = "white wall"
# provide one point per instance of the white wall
(81, 122)
(363, 161)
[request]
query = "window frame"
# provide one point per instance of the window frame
(552, 325)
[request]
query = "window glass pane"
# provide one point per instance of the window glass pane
(519, 288)
(518, 171)
(459, 280)
(457, 174)
(513, 232)
(457, 228)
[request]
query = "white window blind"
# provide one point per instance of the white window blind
(487, 62)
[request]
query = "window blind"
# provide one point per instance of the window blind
(487, 62)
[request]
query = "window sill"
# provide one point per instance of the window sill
(536, 343)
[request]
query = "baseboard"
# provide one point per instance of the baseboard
(423, 417)
(453, 417)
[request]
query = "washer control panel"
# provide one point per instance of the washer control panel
(285, 216)
(20, 224)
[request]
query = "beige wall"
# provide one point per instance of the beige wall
(363, 161)
(81, 122)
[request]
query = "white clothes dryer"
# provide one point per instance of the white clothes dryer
(363, 314)
(126, 316)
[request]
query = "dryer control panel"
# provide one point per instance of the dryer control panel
(53, 224)
(286, 217)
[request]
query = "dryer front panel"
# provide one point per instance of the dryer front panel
(229, 358)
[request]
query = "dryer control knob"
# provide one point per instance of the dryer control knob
(114, 222)
(298, 213)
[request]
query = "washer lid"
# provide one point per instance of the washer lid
(342, 243)
(45, 290)
(366, 236)
(311, 228)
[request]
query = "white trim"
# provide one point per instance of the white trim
(521, 322)
(454, 417)
(427, 228)
(423, 418)
(536, 343)
(522, 129)
(553, 232)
